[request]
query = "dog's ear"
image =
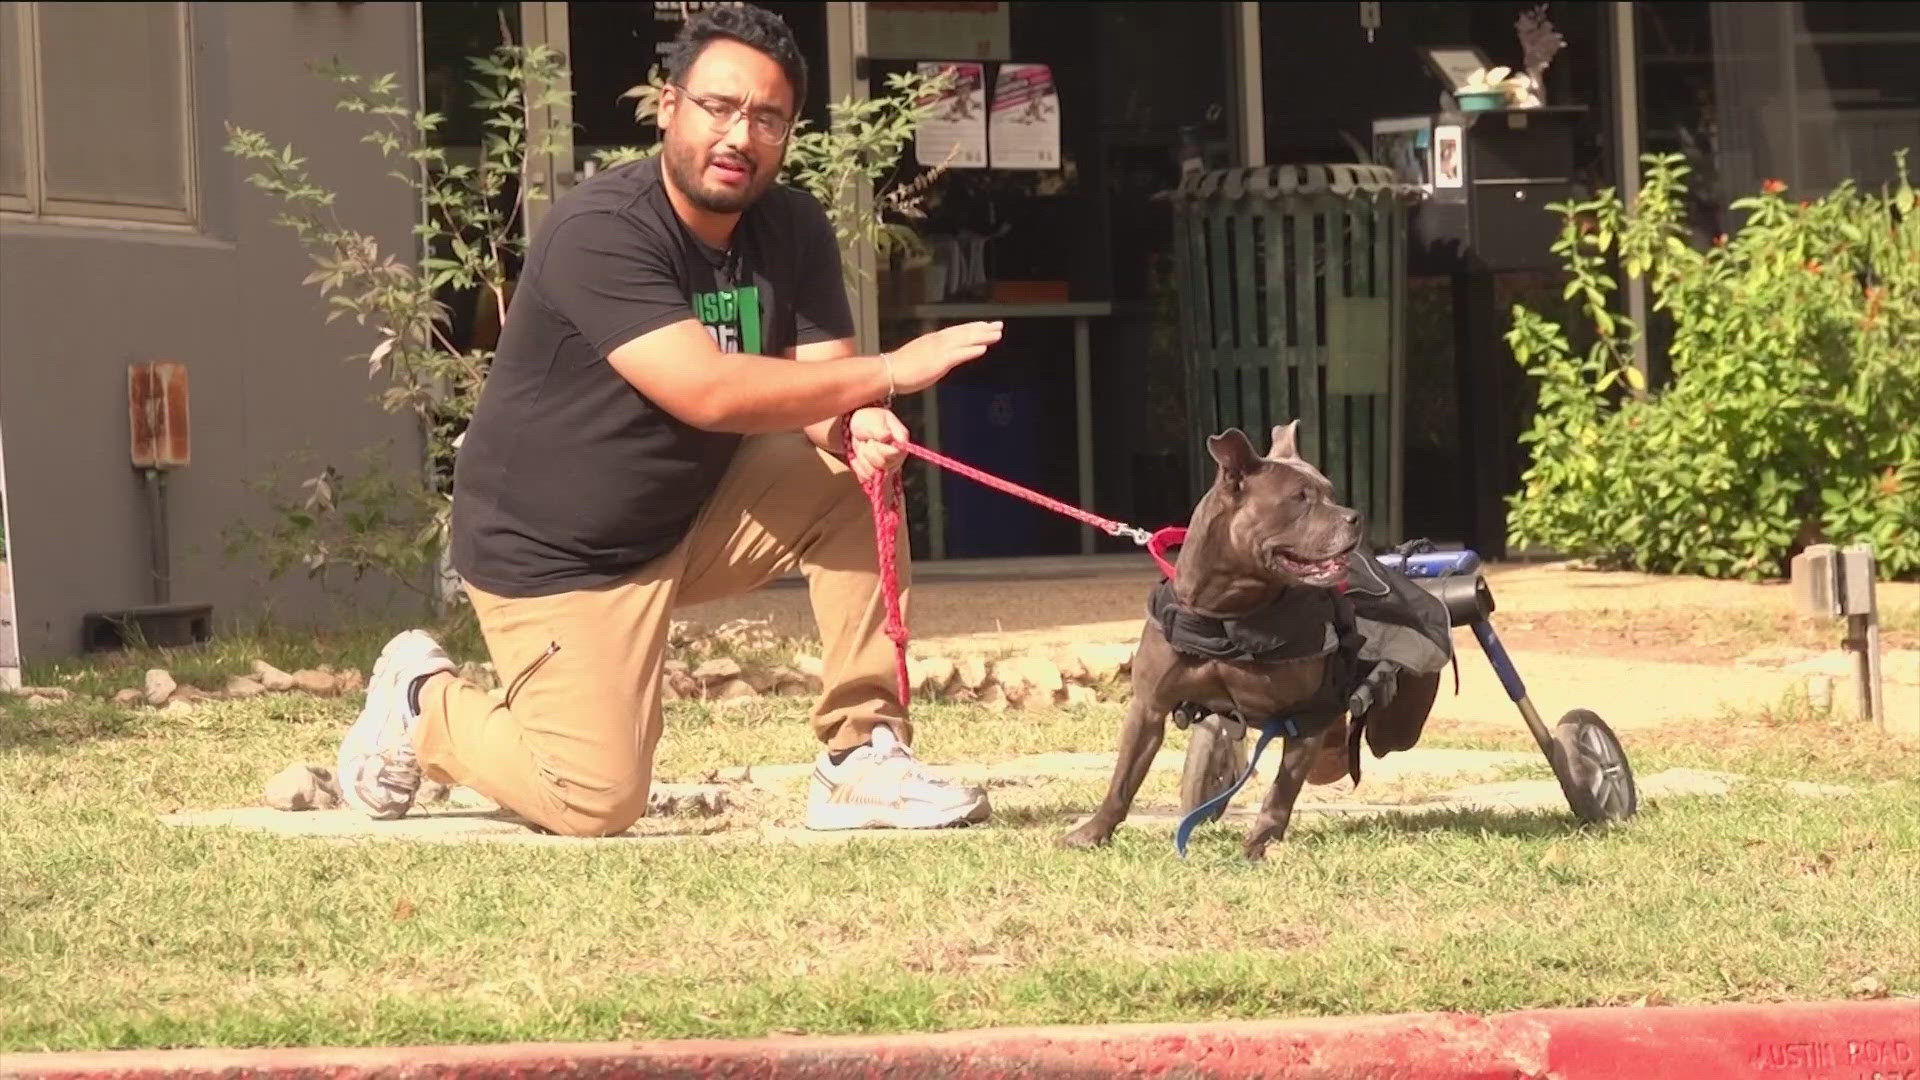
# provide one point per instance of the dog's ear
(1286, 446)
(1233, 452)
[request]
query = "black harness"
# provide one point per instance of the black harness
(1298, 624)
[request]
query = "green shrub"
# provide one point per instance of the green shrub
(1793, 412)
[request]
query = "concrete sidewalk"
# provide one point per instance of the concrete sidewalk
(1047, 606)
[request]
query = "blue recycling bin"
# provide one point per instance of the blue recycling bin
(996, 429)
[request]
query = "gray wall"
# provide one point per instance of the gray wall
(268, 378)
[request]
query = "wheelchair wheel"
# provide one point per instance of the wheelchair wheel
(1592, 768)
(1215, 759)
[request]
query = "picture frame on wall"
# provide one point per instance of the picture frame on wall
(1449, 157)
(1454, 64)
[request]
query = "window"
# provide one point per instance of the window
(95, 111)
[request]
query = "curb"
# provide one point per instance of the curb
(1806, 1041)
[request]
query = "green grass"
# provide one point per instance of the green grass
(118, 931)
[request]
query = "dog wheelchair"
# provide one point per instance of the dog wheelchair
(1586, 757)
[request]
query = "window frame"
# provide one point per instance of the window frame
(36, 205)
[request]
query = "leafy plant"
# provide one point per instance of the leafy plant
(1790, 417)
(365, 520)
(471, 226)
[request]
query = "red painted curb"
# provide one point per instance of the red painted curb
(1871, 1040)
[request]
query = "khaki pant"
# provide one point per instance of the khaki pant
(571, 748)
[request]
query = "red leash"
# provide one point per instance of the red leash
(884, 492)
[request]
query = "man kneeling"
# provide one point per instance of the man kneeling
(646, 440)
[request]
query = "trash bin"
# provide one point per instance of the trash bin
(996, 429)
(1292, 282)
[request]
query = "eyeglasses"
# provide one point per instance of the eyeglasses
(768, 127)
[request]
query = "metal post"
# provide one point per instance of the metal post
(846, 77)
(1251, 114)
(1860, 572)
(1083, 421)
(1626, 95)
(551, 174)
(157, 535)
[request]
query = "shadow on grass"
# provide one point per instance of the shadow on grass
(1309, 826)
(1515, 824)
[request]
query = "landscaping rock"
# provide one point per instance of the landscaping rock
(1081, 695)
(971, 672)
(41, 701)
(732, 688)
(1101, 662)
(160, 687)
(682, 634)
(351, 681)
(931, 675)
(130, 697)
(241, 686)
(178, 706)
(1028, 680)
(667, 692)
(316, 682)
(272, 677)
(1868, 987)
(715, 672)
(788, 682)
(303, 787)
(683, 684)
(57, 693)
(993, 697)
(431, 792)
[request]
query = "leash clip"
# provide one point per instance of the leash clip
(1139, 536)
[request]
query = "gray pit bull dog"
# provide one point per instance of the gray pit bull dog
(1267, 545)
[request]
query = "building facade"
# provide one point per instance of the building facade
(127, 234)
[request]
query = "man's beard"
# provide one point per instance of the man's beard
(687, 165)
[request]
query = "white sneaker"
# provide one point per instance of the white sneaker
(378, 770)
(883, 786)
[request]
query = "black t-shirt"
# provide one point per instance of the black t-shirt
(567, 476)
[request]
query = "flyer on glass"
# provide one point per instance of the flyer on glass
(1025, 129)
(956, 135)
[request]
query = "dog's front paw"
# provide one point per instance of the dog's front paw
(1255, 848)
(1090, 835)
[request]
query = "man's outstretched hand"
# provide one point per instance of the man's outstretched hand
(926, 359)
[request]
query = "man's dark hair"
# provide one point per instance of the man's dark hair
(755, 27)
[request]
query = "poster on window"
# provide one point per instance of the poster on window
(1448, 168)
(1025, 129)
(956, 134)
